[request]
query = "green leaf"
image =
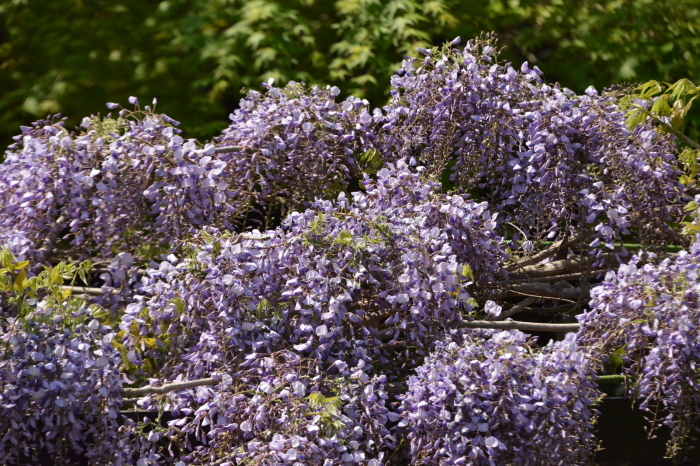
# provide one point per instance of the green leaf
(20, 265)
(344, 238)
(20, 281)
(6, 258)
(661, 106)
(467, 272)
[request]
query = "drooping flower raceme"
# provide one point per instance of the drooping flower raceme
(127, 183)
(294, 144)
(352, 291)
(486, 401)
(650, 315)
(59, 388)
(553, 162)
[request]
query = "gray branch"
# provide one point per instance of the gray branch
(521, 306)
(223, 150)
(87, 290)
(525, 326)
(168, 387)
(545, 253)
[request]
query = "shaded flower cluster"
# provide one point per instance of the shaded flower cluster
(555, 163)
(59, 388)
(493, 401)
(649, 316)
(295, 144)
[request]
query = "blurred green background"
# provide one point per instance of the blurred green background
(195, 56)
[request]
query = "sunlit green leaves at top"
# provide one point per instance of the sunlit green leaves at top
(196, 55)
(666, 100)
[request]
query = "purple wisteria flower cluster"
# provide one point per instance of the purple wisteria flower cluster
(60, 387)
(295, 144)
(555, 163)
(649, 315)
(351, 292)
(486, 401)
(134, 181)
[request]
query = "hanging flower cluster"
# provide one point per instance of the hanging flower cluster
(649, 315)
(496, 401)
(293, 145)
(127, 183)
(552, 161)
(348, 287)
(59, 387)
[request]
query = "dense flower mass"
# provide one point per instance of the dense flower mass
(650, 315)
(294, 323)
(132, 182)
(329, 279)
(348, 288)
(492, 401)
(552, 161)
(59, 388)
(293, 145)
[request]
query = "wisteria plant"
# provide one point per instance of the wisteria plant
(326, 284)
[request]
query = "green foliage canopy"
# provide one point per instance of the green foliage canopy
(72, 56)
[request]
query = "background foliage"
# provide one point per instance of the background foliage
(72, 56)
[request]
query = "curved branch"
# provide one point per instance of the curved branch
(565, 266)
(521, 306)
(545, 253)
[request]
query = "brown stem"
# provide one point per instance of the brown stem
(545, 253)
(517, 308)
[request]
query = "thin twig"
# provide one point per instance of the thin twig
(553, 309)
(567, 277)
(545, 253)
(542, 290)
(517, 308)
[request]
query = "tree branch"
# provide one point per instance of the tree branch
(565, 266)
(545, 253)
(88, 290)
(567, 277)
(223, 150)
(525, 326)
(168, 387)
(517, 308)
(543, 290)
